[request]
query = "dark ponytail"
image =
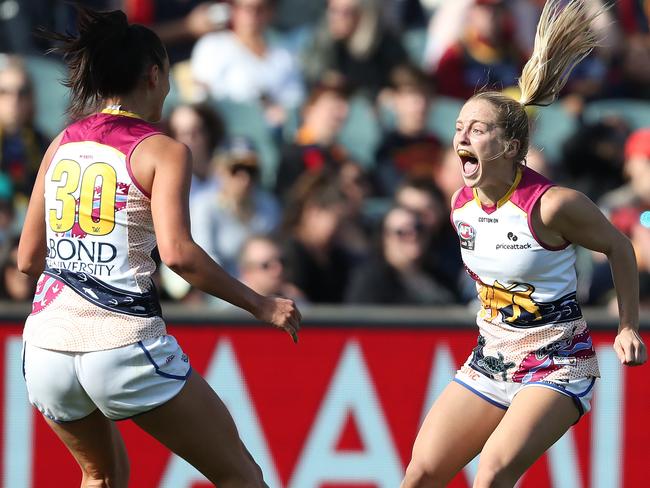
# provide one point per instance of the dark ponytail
(107, 58)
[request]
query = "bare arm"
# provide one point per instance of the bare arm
(573, 217)
(171, 165)
(195, 24)
(32, 249)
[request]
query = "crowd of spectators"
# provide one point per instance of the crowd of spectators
(355, 100)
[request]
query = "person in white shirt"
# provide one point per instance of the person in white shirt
(243, 65)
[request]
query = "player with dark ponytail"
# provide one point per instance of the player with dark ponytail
(110, 188)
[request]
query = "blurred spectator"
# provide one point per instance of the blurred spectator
(244, 66)
(624, 204)
(635, 67)
(486, 55)
(178, 23)
(6, 210)
(261, 267)
(625, 207)
(403, 15)
(447, 176)
(21, 145)
(444, 30)
(315, 147)
(237, 209)
(316, 262)
(20, 18)
(441, 255)
(201, 129)
(353, 41)
(536, 160)
(592, 158)
(408, 149)
(355, 230)
(14, 285)
(397, 274)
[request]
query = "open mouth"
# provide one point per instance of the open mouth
(469, 160)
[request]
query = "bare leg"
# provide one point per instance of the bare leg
(196, 425)
(97, 446)
(452, 434)
(536, 419)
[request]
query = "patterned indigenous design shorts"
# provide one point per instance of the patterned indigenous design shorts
(501, 393)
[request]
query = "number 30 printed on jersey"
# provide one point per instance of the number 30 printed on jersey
(94, 210)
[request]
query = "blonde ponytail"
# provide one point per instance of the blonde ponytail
(562, 40)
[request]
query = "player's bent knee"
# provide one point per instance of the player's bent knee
(421, 476)
(116, 477)
(494, 474)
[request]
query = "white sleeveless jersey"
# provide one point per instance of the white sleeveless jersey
(96, 291)
(531, 326)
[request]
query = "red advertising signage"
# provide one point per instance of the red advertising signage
(340, 409)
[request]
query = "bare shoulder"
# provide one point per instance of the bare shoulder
(160, 155)
(161, 148)
(559, 202)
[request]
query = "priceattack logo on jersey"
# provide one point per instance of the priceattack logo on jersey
(513, 245)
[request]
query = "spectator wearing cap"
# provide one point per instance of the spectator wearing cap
(315, 146)
(408, 149)
(485, 56)
(223, 219)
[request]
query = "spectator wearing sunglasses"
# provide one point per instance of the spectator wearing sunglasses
(397, 274)
(262, 268)
(222, 220)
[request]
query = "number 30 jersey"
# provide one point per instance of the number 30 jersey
(96, 291)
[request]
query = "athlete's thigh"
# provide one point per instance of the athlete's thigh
(535, 420)
(197, 426)
(96, 444)
(454, 431)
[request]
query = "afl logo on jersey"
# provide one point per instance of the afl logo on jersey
(467, 235)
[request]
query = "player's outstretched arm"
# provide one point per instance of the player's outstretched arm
(32, 249)
(171, 164)
(578, 220)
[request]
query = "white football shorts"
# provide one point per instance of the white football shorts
(121, 382)
(501, 393)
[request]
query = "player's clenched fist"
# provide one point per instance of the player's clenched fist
(282, 313)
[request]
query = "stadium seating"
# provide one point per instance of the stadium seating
(51, 95)
(634, 112)
(247, 119)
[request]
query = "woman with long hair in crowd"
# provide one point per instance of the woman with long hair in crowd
(106, 184)
(531, 375)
